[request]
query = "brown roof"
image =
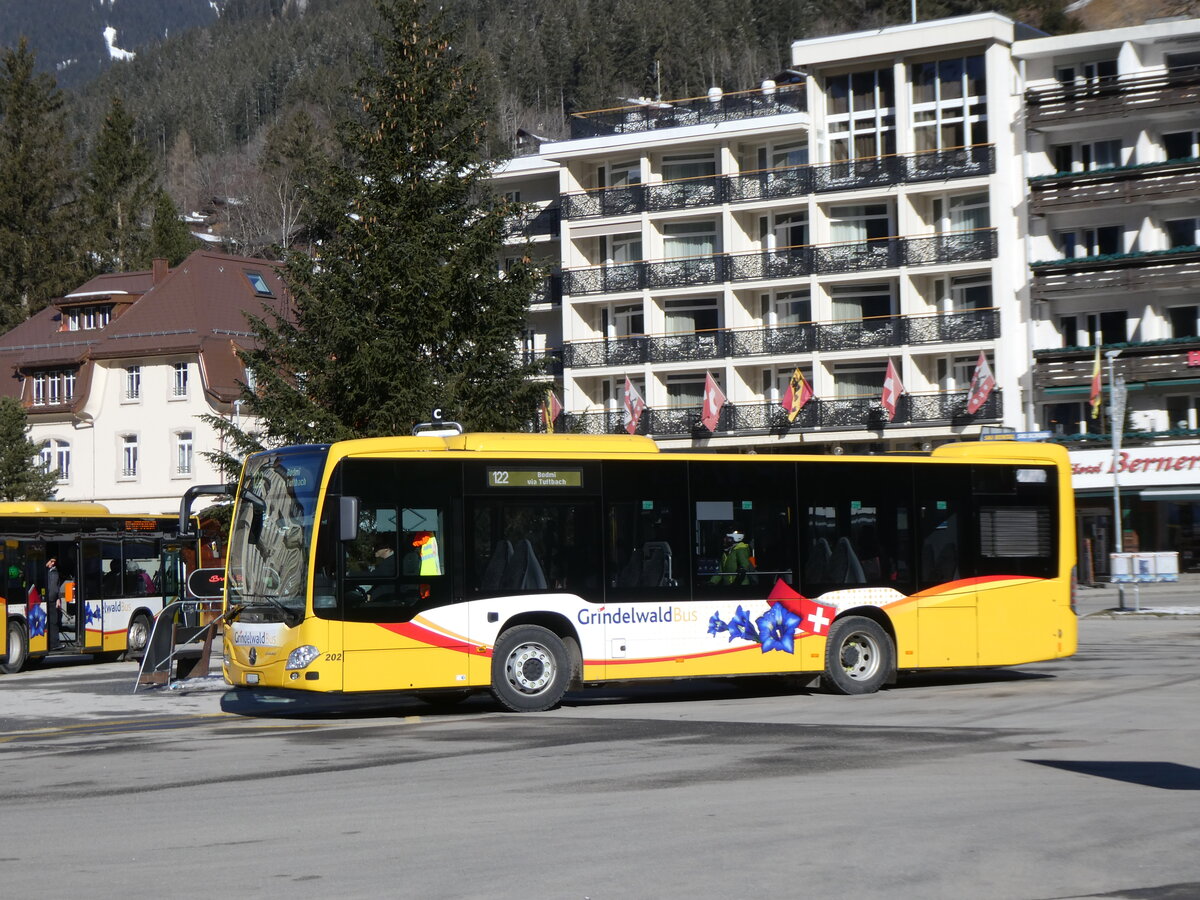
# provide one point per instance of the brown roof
(197, 307)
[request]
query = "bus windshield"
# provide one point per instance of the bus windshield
(273, 527)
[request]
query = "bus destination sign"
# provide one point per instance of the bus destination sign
(535, 478)
(141, 525)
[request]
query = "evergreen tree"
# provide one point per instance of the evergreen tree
(169, 237)
(117, 191)
(22, 476)
(37, 259)
(404, 309)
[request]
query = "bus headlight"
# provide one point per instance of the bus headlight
(302, 657)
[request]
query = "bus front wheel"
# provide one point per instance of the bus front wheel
(138, 636)
(859, 656)
(531, 669)
(18, 648)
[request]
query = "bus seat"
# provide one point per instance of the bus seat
(816, 567)
(493, 572)
(844, 565)
(656, 564)
(524, 572)
(631, 573)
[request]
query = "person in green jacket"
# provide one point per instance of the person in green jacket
(735, 560)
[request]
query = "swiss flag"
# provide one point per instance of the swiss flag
(892, 389)
(815, 618)
(982, 385)
(714, 399)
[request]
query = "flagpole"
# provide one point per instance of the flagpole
(1117, 428)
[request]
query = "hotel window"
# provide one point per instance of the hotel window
(859, 379)
(965, 212)
(687, 390)
(949, 103)
(690, 166)
(183, 453)
(133, 382)
(862, 301)
(626, 320)
(777, 156)
(1072, 418)
(1183, 321)
(55, 456)
(53, 387)
(1182, 413)
(1086, 73)
(129, 456)
(1182, 232)
(1181, 145)
(1086, 157)
(1076, 243)
(782, 230)
(179, 383)
(861, 115)
(685, 316)
(621, 249)
(955, 372)
(859, 223)
(619, 174)
(967, 292)
(787, 308)
(689, 239)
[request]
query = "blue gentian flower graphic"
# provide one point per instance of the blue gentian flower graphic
(37, 621)
(715, 625)
(777, 629)
(740, 626)
(91, 613)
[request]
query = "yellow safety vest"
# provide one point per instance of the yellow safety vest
(430, 564)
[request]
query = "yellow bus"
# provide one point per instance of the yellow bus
(526, 565)
(112, 574)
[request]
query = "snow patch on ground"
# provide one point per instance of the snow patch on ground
(115, 52)
(1158, 611)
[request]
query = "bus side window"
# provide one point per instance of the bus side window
(943, 496)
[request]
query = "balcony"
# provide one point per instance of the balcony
(1123, 96)
(773, 184)
(1151, 183)
(1069, 369)
(550, 360)
(970, 326)
(1125, 273)
(534, 222)
(548, 292)
(947, 408)
(787, 262)
(655, 115)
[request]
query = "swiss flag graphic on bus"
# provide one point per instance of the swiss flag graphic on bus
(815, 618)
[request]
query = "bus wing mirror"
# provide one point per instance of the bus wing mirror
(348, 518)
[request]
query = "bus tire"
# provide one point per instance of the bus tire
(531, 669)
(18, 648)
(138, 635)
(859, 656)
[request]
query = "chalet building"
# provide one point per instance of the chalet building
(116, 375)
(913, 196)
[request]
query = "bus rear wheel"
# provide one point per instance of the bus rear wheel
(859, 656)
(18, 648)
(531, 669)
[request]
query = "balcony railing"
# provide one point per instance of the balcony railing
(1140, 362)
(1119, 273)
(1123, 96)
(1071, 191)
(787, 262)
(552, 361)
(771, 184)
(832, 415)
(549, 291)
(655, 115)
(970, 326)
(534, 223)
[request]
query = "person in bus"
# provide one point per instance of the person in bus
(385, 555)
(53, 592)
(735, 560)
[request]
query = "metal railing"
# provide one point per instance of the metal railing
(1123, 95)
(786, 262)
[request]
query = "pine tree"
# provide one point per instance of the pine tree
(117, 191)
(169, 237)
(22, 476)
(405, 308)
(37, 256)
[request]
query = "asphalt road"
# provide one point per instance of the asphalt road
(1078, 778)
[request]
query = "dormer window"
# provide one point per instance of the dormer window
(53, 387)
(261, 288)
(87, 318)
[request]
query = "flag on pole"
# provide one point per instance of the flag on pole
(1094, 400)
(551, 410)
(798, 392)
(634, 406)
(714, 399)
(982, 385)
(892, 389)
